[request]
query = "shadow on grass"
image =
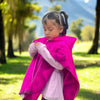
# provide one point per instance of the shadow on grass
(19, 65)
(88, 95)
(86, 65)
(9, 80)
(13, 68)
(16, 65)
(83, 54)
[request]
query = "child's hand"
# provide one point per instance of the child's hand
(36, 43)
(31, 46)
(39, 45)
(32, 49)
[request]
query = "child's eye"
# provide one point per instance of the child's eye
(50, 29)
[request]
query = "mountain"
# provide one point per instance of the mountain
(74, 8)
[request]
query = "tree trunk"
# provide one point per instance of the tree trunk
(10, 47)
(21, 28)
(94, 47)
(20, 48)
(2, 41)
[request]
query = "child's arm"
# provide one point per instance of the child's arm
(32, 50)
(42, 50)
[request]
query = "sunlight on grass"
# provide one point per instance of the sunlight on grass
(22, 54)
(83, 47)
(89, 83)
(10, 86)
(89, 79)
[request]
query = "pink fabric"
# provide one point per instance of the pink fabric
(32, 50)
(40, 71)
(54, 87)
(43, 51)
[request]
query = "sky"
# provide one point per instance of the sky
(88, 5)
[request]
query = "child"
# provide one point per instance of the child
(52, 71)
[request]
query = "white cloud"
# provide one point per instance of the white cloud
(86, 1)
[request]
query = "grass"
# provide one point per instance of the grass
(87, 68)
(11, 76)
(89, 83)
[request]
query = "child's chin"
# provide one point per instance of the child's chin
(49, 38)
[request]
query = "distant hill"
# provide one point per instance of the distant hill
(74, 8)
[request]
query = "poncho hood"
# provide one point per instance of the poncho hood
(67, 39)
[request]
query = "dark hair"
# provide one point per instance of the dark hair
(60, 18)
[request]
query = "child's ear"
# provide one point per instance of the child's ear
(61, 28)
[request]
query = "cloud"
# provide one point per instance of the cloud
(86, 1)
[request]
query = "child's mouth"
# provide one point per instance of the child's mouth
(48, 37)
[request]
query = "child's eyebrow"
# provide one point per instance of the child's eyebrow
(47, 27)
(50, 27)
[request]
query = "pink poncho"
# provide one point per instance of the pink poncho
(40, 71)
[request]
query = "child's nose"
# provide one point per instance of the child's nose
(46, 32)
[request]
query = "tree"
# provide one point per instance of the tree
(87, 33)
(94, 47)
(18, 12)
(10, 26)
(25, 9)
(75, 27)
(2, 42)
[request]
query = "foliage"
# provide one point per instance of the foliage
(3, 7)
(75, 27)
(55, 8)
(29, 36)
(87, 33)
(17, 11)
(25, 10)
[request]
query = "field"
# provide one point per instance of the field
(87, 68)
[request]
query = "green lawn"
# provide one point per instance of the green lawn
(87, 67)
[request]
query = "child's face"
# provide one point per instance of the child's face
(52, 29)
